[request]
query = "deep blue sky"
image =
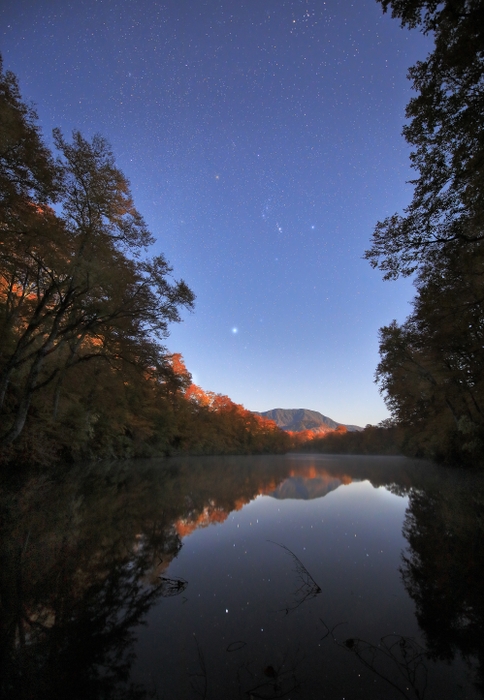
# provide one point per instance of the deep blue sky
(262, 139)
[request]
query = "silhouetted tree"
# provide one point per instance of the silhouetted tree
(446, 130)
(73, 287)
(84, 313)
(431, 370)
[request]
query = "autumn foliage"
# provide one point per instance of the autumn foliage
(214, 423)
(84, 311)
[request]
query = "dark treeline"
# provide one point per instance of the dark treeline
(84, 311)
(432, 366)
(373, 440)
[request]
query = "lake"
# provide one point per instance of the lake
(301, 576)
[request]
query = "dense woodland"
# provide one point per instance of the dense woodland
(84, 309)
(373, 440)
(432, 366)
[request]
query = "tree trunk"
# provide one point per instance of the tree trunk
(30, 386)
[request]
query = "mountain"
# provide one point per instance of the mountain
(301, 488)
(296, 419)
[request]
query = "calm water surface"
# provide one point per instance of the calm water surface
(304, 576)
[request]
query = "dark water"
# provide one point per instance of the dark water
(265, 577)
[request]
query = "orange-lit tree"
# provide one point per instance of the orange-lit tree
(72, 283)
(84, 313)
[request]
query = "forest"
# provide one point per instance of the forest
(85, 310)
(431, 368)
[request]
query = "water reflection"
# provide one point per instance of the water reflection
(89, 557)
(443, 568)
(75, 558)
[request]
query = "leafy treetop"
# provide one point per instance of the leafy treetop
(445, 128)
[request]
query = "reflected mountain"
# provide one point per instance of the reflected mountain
(306, 488)
(310, 480)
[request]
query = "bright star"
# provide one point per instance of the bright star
(235, 330)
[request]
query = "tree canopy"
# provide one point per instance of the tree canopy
(431, 370)
(445, 129)
(85, 311)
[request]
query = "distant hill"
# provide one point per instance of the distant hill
(296, 419)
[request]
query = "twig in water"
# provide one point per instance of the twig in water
(330, 631)
(404, 653)
(172, 586)
(308, 587)
(201, 687)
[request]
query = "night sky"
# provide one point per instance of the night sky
(262, 140)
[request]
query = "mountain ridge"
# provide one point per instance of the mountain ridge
(297, 419)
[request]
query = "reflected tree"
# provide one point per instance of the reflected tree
(442, 570)
(84, 556)
(78, 574)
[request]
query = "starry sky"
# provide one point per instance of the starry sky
(262, 140)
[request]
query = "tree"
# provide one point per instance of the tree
(431, 369)
(84, 312)
(27, 170)
(446, 130)
(73, 284)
